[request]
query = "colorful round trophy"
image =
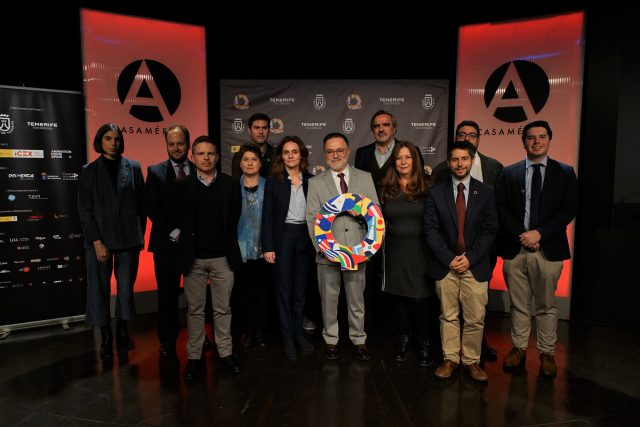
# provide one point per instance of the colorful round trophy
(356, 205)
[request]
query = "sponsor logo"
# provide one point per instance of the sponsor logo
(282, 101)
(427, 101)
(6, 124)
(5, 271)
(313, 125)
(74, 236)
(56, 237)
(34, 217)
(46, 177)
(150, 88)
(59, 154)
(241, 102)
(42, 125)
(22, 154)
(60, 215)
(35, 260)
(21, 176)
(25, 269)
(277, 126)
(8, 218)
(354, 102)
(70, 176)
(391, 101)
(61, 266)
(23, 248)
(516, 91)
(423, 125)
(238, 125)
(348, 126)
(18, 262)
(19, 239)
(43, 267)
(40, 238)
(319, 102)
(37, 197)
(428, 150)
(11, 197)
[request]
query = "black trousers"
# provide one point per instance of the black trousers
(168, 280)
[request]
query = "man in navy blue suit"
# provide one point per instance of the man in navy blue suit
(536, 198)
(460, 225)
(159, 178)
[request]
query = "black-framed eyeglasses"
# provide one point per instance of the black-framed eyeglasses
(338, 151)
(465, 135)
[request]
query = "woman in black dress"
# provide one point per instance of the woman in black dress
(402, 194)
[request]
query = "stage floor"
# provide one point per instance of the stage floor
(52, 377)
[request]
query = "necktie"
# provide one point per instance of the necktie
(536, 188)
(343, 183)
(181, 173)
(461, 211)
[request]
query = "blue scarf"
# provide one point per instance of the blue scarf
(250, 223)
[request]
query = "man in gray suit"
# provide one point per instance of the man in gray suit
(340, 178)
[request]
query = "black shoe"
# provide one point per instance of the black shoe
(106, 342)
(289, 350)
(123, 339)
(207, 343)
(425, 357)
(168, 349)
(192, 370)
(403, 348)
(231, 363)
(331, 351)
(362, 352)
(261, 339)
(487, 353)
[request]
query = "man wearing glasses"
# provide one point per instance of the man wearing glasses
(337, 179)
(486, 171)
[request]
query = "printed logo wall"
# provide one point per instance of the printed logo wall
(516, 72)
(311, 109)
(143, 75)
(42, 268)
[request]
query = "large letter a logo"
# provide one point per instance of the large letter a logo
(516, 91)
(150, 88)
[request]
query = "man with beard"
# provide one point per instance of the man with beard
(337, 179)
(460, 225)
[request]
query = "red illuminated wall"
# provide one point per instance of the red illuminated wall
(143, 75)
(499, 85)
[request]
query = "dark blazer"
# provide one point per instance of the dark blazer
(277, 194)
(490, 170)
(160, 178)
(366, 161)
(182, 202)
(441, 228)
(115, 217)
(558, 207)
(265, 168)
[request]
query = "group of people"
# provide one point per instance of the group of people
(255, 230)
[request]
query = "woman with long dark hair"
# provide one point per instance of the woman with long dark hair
(402, 194)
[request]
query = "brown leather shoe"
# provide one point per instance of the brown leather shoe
(362, 353)
(515, 358)
(445, 370)
(476, 372)
(548, 365)
(331, 351)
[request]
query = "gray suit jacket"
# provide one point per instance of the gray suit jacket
(115, 217)
(346, 229)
